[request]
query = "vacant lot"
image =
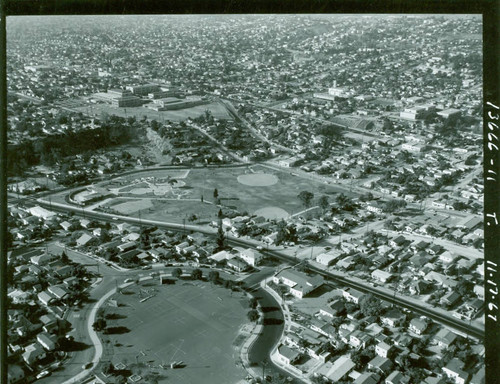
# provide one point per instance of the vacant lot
(192, 322)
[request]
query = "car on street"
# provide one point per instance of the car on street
(43, 374)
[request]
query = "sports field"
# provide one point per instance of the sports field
(189, 321)
(175, 195)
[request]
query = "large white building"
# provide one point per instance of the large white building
(251, 257)
(300, 284)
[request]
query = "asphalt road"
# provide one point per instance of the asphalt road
(419, 308)
(274, 323)
(78, 318)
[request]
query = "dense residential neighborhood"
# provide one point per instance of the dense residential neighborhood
(245, 199)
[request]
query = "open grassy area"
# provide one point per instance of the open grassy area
(189, 321)
(184, 199)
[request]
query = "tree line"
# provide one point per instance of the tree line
(52, 149)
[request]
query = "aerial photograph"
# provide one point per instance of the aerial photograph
(241, 199)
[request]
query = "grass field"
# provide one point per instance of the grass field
(218, 111)
(279, 199)
(192, 322)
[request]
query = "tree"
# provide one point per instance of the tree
(196, 274)
(306, 197)
(253, 315)
(228, 284)
(99, 325)
(64, 257)
(108, 368)
(177, 272)
(323, 203)
(253, 303)
(370, 305)
(213, 276)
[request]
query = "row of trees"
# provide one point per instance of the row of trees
(53, 149)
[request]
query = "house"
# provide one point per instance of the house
(393, 318)
(373, 329)
(49, 322)
(454, 370)
(380, 364)
(397, 377)
(327, 259)
(45, 297)
(300, 284)
(381, 276)
(450, 299)
(126, 246)
(197, 238)
(435, 249)
(479, 291)
(287, 355)
(397, 241)
(33, 353)
(333, 309)
(179, 248)
(418, 246)
(251, 257)
(444, 338)
(418, 287)
(222, 255)
(367, 378)
(441, 279)
(474, 305)
(14, 374)
(66, 225)
(469, 223)
(447, 257)
(352, 295)
(338, 370)
(374, 207)
(58, 291)
(434, 380)
(133, 236)
(128, 256)
(42, 213)
(271, 238)
(47, 341)
(84, 240)
(19, 296)
(383, 349)
(346, 263)
(292, 340)
(403, 340)
(237, 264)
(359, 339)
(418, 325)
(322, 327)
(42, 259)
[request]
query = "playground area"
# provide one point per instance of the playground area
(191, 324)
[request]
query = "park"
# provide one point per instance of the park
(193, 323)
(196, 194)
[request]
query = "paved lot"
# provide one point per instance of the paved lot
(192, 322)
